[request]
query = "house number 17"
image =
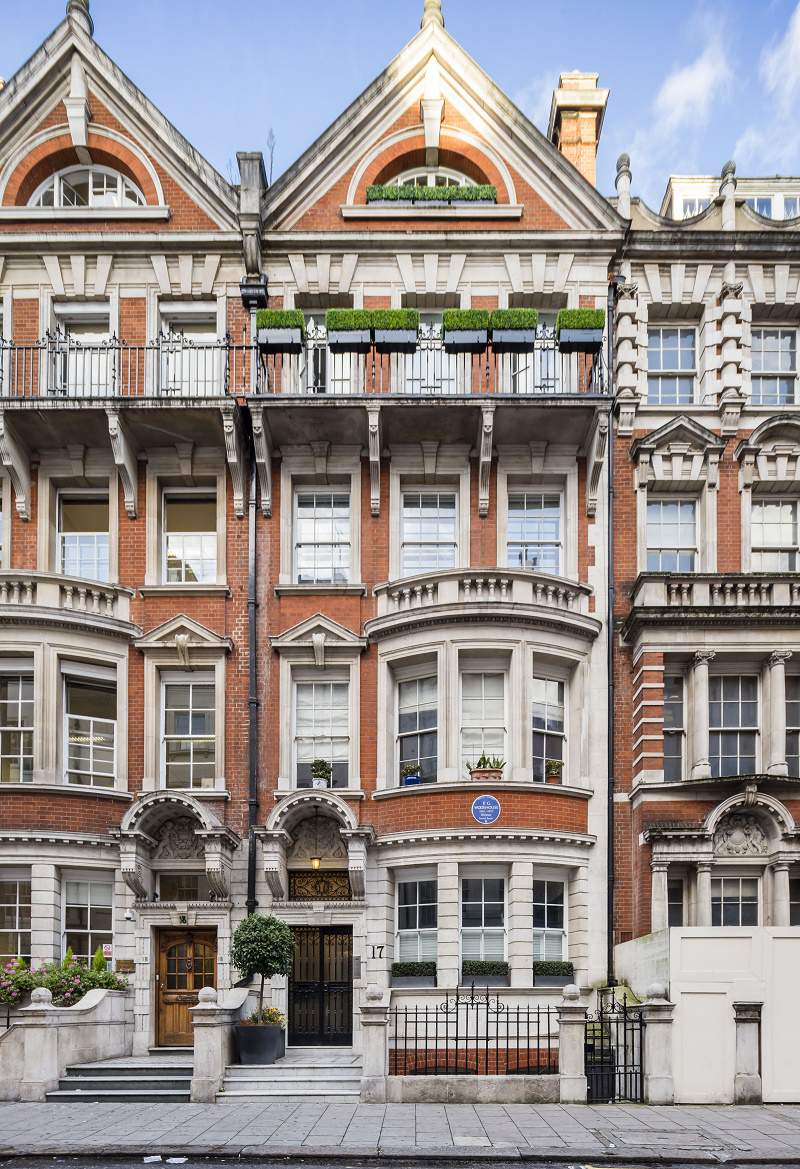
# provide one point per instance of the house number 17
(376, 952)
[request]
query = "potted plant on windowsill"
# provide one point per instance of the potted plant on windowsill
(465, 330)
(262, 946)
(413, 974)
(349, 329)
(321, 772)
(553, 973)
(280, 330)
(488, 769)
(553, 770)
(485, 973)
(513, 329)
(580, 330)
(410, 775)
(396, 329)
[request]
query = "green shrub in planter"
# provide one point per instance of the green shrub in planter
(459, 319)
(395, 318)
(281, 318)
(349, 329)
(413, 969)
(396, 329)
(392, 193)
(281, 330)
(553, 968)
(474, 969)
(514, 318)
(580, 330)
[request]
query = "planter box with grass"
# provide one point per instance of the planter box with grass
(413, 974)
(465, 330)
(280, 330)
(580, 330)
(396, 329)
(484, 973)
(514, 329)
(349, 329)
(553, 973)
(386, 194)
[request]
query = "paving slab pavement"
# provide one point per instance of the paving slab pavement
(619, 1133)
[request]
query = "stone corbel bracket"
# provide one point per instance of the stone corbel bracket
(374, 450)
(15, 458)
(485, 458)
(598, 446)
(358, 841)
(134, 870)
(219, 846)
(262, 445)
(235, 454)
(274, 843)
(125, 460)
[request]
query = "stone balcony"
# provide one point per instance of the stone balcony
(35, 598)
(493, 595)
(713, 598)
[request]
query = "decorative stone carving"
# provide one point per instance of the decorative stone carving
(178, 841)
(740, 835)
(317, 836)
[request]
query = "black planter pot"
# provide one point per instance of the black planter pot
(396, 340)
(485, 979)
(513, 340)
(553, 979)
(349, 340)
(412, 980)
(466, 340)
(259, 1044)
(280, 340)
(580, 340)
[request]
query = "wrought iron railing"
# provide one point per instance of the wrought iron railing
(614, 1051)
(473, 1034)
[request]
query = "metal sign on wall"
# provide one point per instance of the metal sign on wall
(486, 809)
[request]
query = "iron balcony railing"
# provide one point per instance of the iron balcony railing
(172, 366)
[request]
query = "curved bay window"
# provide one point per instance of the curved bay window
(91, 725)
(88, 186)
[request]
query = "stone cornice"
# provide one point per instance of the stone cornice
(433, 836)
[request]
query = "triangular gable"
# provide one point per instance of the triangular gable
(170, 635)
(34, 97)
(316, 632)
(475, 99)
(680, 430)
(681, 452)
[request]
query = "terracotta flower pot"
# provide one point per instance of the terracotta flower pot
(486, 774)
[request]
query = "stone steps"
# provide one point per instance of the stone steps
(155, 1081)
(324, 1077)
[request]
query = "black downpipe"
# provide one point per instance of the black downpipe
(610, 601)
(252, 699)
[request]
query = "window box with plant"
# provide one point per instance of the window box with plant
(396, 329)
(411, 775)
(349, 329)
(485, 973)
(580, 330)
(553, 973)
(488, 769)
(280, 330)
(465, 330)
(413, 974)
(409, 194)
(321, 772)
(514, 329)
(553, 770)
(262, 946)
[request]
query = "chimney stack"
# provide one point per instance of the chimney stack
(576, 119)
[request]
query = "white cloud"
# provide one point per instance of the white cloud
(774, 143)
(535, 97)
(780, 66)
(687, 94)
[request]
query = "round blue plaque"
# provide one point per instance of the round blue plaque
(485, 809)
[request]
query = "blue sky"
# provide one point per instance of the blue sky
(692, 84)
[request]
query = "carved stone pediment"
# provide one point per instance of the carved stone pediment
(740, 834)
(178, 841)
(317, 836)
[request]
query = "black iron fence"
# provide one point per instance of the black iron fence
(614, 1051)
(474, 1034)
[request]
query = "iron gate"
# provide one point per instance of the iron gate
(614, 1051)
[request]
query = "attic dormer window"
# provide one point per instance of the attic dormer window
(92, 186)
(431, 177)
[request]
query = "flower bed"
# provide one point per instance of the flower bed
(68, 981)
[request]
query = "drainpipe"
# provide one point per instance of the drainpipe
(610, 600)
(252, 698)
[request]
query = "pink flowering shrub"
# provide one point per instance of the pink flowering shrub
(68, 980)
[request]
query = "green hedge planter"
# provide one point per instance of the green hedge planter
(349, 329)
(396, 330)
(433, 196)
(580, 330)
(280, 330)
(465, 330)
(553, 973)
(413, 974)
(485, 973)
(513, 329)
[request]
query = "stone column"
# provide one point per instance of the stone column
(777, 712)
(659, 913)
(447, 968)
(571, 1042)
(701, 768)
(40, 1068)
(747, 1077)
(780, 894)
(703, 908)
(520, 923)
(45, 913)
(657, 1046)
(375, 1032)
(213, 1045)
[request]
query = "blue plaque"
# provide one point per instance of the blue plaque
(485, 809)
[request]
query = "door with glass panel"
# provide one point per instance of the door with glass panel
(82, 360)
(430, 369)
(187, 962)
(191, 361)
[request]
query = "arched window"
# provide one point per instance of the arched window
(431, 177)
(88, 186)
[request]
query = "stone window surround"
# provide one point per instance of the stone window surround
(701, 316)
(183, 466)
(165, 309)
(319, 465)
(705, 496)
(46, 657)
(769, 468)
(546, 468)
(58, 472)
(54, 308)
(521, 658)
(5, 521)
(436, 467)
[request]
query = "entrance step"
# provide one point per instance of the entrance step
(164, 1080)
(325, 1076)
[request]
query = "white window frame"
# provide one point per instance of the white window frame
(546, 931)
(18, 876)
(168, 493)
(188, 678)
(753, 200)
(305, 677)
(740, 875)
(332, 490)
(439, 490)
(789, 548)
(90, 877)
(557, 475)
(773, 375)
(105, 677)
(693, 206)
(166, 472)
(544, 675)
(422, 935)
(409, 177)
(473, 665)
(677, 733)
(739, 672)
(56, 181)
(417, 676)
(679, 498)
(77, 493)
(487, 873)
(793, 724)
(543, 493)
(22, 667)
(666, 374)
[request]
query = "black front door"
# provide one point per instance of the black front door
(321, 987)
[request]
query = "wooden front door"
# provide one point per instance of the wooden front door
(187, 961)
(321, 987)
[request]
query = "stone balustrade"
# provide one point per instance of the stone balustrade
(491, 586)
(64, 598)
(715, 590)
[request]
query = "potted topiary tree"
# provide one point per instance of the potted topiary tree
(262, 946)
(553, 769)
(321, 772)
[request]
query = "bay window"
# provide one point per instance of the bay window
(549, 934)
(16, 727)
(322, 731)
(417, 729)
(534, 537)
(417, 913)
(82, 535)
(733, 724)
(88, 916)
(483, 715)
(483, 919)
(15, 916)
(547, 723)
(90, 727)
